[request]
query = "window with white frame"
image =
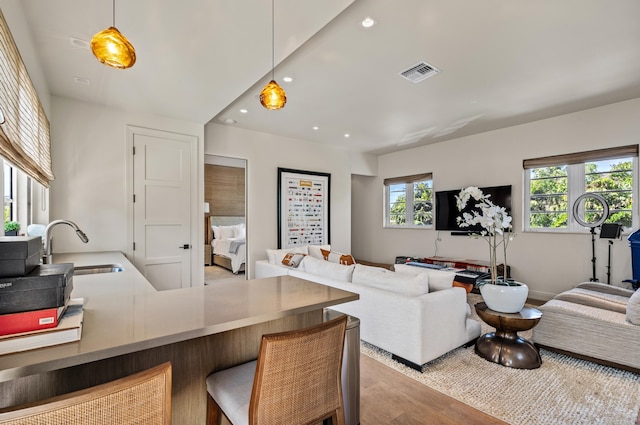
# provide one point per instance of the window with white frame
(553, 184)
(20, 201)
(9, 192)
(409, 201)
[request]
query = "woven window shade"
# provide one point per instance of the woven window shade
(408, 179)
(581, 157)
(24, 134)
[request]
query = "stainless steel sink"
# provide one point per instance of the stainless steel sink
(103, 268)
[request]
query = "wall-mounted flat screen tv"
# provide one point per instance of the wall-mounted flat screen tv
(447, 210)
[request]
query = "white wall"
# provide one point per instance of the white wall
(264, 154)
(89, 155)
(13, 14)
(548, 263)
(88, 149)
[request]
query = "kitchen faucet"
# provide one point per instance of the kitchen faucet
(47, 257)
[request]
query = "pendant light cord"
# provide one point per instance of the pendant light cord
(273, 38)
(114, 13)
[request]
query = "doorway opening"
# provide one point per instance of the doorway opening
(225, 238)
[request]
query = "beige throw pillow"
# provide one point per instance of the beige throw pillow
(275, 256)
(438, 279)
(633, 308)
(337, 257)
(292, 259)
(326, 269)
(316, 250)
(408, 284)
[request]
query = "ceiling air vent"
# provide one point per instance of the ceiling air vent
(420, 71)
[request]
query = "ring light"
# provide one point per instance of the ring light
(599, 198)
(602, 219)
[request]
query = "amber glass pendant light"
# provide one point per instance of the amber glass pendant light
(272, 95)
(112, 48)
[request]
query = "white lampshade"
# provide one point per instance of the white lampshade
(206, 208)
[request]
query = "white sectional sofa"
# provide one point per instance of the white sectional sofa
(414, 313)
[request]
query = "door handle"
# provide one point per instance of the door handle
(185, 246)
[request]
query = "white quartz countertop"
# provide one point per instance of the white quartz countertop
(123, 313)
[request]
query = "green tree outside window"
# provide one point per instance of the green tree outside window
(421, 203)
(548, 188)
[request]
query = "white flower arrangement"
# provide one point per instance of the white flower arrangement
(495, 221)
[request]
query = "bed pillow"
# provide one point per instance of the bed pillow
(326, 269)
(337, 257)
(409, 284)
(633, 308)
(217, 233)
(227, 232)
(239, 232)
(275, 256)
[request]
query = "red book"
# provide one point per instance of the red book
(28, 321)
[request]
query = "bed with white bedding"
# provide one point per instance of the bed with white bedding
(228, 242)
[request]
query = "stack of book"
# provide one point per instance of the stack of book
(41, 328)
(36, 309)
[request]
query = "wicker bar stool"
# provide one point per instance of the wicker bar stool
(141, 398)
(295, 380)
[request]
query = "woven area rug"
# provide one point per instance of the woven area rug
(564, 390)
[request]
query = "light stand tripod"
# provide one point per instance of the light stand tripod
(593, 254)
(579, 214)
(609, 231)
(609, 265)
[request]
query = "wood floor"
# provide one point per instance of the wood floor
(389, 397)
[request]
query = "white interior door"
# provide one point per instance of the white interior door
(162, 209)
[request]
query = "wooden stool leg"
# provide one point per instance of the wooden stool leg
(214, 416)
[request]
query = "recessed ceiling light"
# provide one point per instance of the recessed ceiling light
(315, 127)
(347, 135)
(243, 111)
(287, 79)
(367, 22)
(81, 80)
(76, 42)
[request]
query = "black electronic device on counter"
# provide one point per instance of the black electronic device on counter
(47, 286)
(19, 255)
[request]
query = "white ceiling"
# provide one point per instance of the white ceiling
(502, 62)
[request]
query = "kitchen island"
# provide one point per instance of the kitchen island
(129, 326)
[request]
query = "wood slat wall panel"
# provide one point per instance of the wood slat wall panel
(224, 190)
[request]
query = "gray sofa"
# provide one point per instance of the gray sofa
(594, 321)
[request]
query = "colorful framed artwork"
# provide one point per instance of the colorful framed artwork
(303, 208)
